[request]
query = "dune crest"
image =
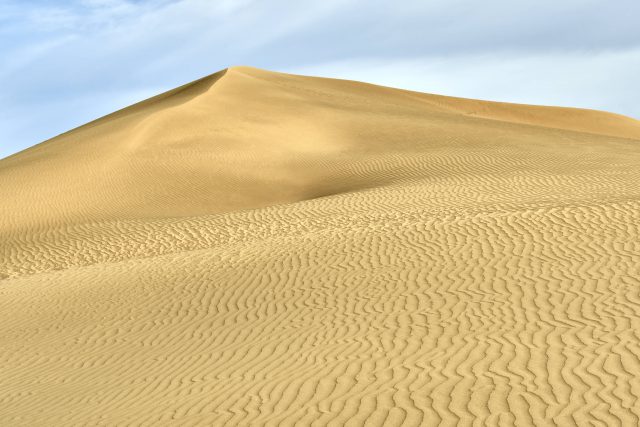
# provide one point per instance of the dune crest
(259, 248)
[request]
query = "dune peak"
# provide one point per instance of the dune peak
(262, 248)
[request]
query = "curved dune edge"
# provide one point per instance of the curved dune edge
(259, 248)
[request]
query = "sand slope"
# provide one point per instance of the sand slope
(257, 248)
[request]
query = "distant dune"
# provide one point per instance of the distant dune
(258, 248)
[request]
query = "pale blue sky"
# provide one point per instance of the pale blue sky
(67, 62)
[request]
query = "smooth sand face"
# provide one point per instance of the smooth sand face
(258, 248)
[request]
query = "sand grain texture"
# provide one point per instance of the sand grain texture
(259, 248)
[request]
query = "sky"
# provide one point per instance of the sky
(64, 63)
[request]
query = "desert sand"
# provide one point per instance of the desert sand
(258, 248)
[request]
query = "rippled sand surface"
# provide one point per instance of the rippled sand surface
(257, 248)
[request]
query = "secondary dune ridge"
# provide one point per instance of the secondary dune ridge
(257, 248)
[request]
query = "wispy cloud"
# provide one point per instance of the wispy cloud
(65, 63)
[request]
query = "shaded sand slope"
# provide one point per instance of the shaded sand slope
(258, 248)
(246, 138)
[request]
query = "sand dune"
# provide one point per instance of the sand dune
(258, 248)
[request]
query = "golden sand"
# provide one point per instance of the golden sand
(257, 248)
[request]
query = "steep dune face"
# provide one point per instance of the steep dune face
(245, 138)
(257, 248)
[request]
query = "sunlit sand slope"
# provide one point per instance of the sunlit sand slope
(259, 248)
